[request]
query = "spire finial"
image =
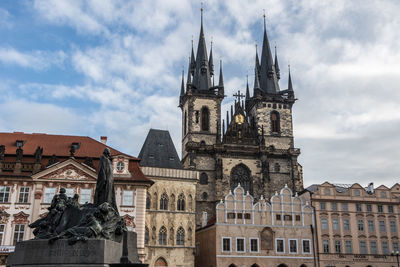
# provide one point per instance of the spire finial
(221, 77)
(265, 26)
(201, 10)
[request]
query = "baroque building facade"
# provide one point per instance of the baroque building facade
(33, 168)
(253, 146)
(356, 226)
(245, 233)
(170, 203)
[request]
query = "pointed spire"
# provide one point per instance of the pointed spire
(227, 119)
(221, 77)
(192, 63)
(256, 81)
(183, 84)
(202, 77)
(290, 86)
(232, 111)
(257, 61)
(189, 76)
(247, 88)
(277, 70)
(223, 127)
(211, 62)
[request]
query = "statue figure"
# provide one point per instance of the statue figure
(105, 182)
(2, 152)
(38, 154)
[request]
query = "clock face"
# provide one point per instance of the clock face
(239, 119)
(120, 166)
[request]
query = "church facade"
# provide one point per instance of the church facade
(253, 146)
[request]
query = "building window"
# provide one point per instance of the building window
(162, 236)
(322, 205)
(369, 207)
(181, 202)
(338, 246)
(325, 245)
(241, 174)
(324, 224)
(327, 191)
(357, 192)
(382, 226)
(120, 166)
(380, 208)
(346, 224)
(86, 195)
(23, 194)
(2, 228)
(371, 226)
(390, 209)
(204, 196)
(275, 122)
(231, 215)
(69, 192)
(393, 228)
(358, 207)
(19, 230)
(360, 225)
(395, 246)
(240, 245)
(148, 202)
(373, 248)
(298, 218)
(345, 207)
(334, 206)
(385, 248)
(4, 194)
(180, 237)
(383, 194)
(277, 167)
(203, 178)
(292, 245)
(335, 224)
(205, 119)
(348, 247)
(363, 247)
(278, 217)
(49, 193)
(253, 244)
(226, 244)
(280, 245)
(127, 198)
(287, 217)
(196, 114)
(306, 246)
(164, 202)
(146, 236)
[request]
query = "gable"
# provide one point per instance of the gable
(67, 170)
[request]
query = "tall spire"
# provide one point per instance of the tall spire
(192, 62)
(221, 77)
(201, 77)
(256, 81)
(290, 86)
(210, 61)
(247, 88)
(183, 84)
(189, 76)
(268, 79)
(277, 70)
(257, 62)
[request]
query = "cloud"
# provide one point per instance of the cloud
(5, 19)
(37, 60)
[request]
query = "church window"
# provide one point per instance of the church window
(164, 202)
(280, 106)
(180, 236)
(240, 174)
(146, 236)
(181, 202)
(148, 202)
(160, 262)
(162, 236)
(205, 119)
(275, 127)
(269, 105)
(277, 167)
(203, 178)
(273, 105)
(204, 196)
(197, 116)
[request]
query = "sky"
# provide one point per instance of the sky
(113, 68)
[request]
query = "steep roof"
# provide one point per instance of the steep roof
(158, 150)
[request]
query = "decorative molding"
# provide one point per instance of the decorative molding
(20, 218)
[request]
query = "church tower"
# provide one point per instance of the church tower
(253, 146)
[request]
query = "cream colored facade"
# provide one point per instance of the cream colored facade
(24, 200)
(170, 217)
(249, 234)
(356, 226)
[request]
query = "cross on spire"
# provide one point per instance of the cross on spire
(238, 95)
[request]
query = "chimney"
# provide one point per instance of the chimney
(103, 139)
(370, 188)
(204, 219)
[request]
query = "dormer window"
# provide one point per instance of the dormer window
(19, 143)
(120, 166)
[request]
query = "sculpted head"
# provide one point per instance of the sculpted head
(107, 152)
(62, 190)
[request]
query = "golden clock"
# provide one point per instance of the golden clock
(239, 119)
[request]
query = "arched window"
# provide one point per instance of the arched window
(181, 202)
(282, 265)
(162, 236)
(240, 174)
(203, 178)
(277, 167)
(185, 124)
(148, 202)
(180, 237)
(204, 196)
(232, 265)
(146, 236)
(160, 262)
(255, 265)
(205, 119)
(275, 124)
(164, 202)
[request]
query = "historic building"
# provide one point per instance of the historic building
(253, 146)
(170, 203)
(278, 232)
(33, 167)
(356, 226)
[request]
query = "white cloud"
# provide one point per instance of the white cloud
(37, 60)
(5, 19)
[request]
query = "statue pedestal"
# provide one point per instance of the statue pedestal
(93, 252)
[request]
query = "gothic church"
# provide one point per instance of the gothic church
(253, 146)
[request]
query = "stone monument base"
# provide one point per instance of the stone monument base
(93, 252)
